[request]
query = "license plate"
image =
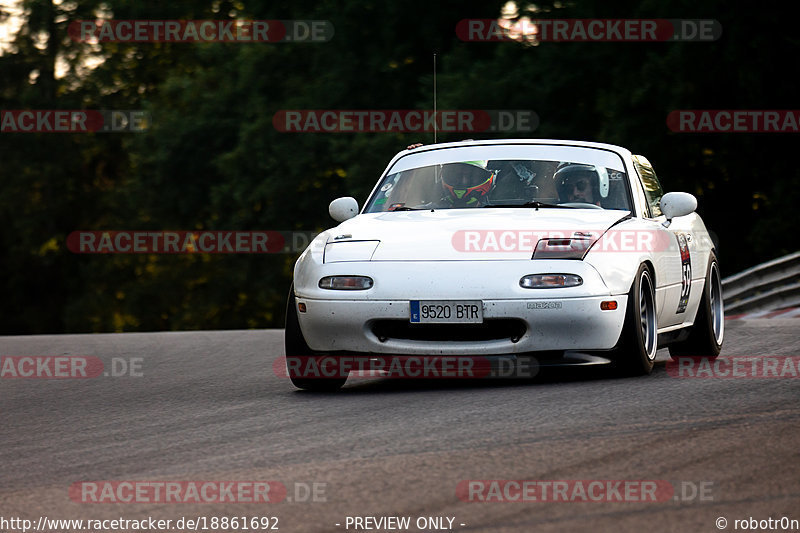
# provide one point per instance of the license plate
(446, 312)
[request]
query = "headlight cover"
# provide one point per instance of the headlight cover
(550, 281)
(338, 252)
(562, 248)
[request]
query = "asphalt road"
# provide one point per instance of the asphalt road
(207, 406)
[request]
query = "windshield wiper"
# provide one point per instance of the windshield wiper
(533, 204)
(404, 208)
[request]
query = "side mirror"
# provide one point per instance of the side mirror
(677, 204)
(343, 208)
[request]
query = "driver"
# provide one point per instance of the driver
(468, 183)
(578, 183)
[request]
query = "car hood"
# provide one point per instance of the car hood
(461, 234)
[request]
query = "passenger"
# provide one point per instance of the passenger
(579, 184)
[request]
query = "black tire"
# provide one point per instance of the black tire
(296, 347)
(707, 332)
(635, 353)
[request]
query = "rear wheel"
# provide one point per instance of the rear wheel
(298, 353)
(705, 337)
(636, 351)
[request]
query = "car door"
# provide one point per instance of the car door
(676, 263)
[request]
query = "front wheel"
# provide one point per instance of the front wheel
(705, 337)
(636, 351)
(298, 353)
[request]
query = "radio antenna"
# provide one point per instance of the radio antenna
(435, 124)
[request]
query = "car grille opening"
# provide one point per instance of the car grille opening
(490, 329)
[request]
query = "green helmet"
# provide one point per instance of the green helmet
(466, 182)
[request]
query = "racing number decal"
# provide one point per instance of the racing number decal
(686, 272)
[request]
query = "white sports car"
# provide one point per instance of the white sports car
(566, 252)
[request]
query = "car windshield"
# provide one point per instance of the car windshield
(576, 181)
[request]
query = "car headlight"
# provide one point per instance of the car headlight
(550, 281)
(569, 248)
(346, 283)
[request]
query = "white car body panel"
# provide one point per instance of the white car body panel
(428, 235)
(339, 325)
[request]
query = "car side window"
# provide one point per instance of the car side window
(652, 188)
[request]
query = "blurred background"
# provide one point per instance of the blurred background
(211, 157)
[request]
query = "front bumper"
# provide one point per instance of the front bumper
(522, 325)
